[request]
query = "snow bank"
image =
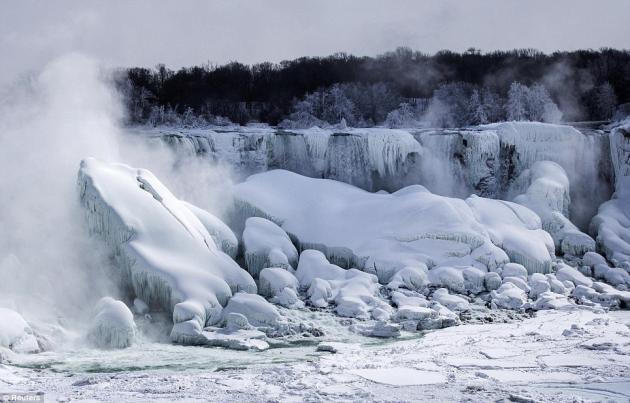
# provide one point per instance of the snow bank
(164, 253)
(384, 233)
(15, 333)
(267, 245)
(113, 325)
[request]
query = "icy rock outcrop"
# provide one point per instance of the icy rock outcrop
(16, 334)
(267, 245)
(164, 254)
(113, 325)
(546, 192)
(384, 233)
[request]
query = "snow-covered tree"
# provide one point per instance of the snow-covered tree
(403, 116)
(493, 105)
(605, 100)
(516, 106)
(476, 110)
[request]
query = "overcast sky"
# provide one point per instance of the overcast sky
(123, 33)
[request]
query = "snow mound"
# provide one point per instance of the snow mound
(255, 308)
(15, 333)
(384, 233)
(113, 325)
(267, 245)
(281, 286)
(163, 251)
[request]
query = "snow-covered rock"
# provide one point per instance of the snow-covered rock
(15, 333)
(514, 270)
(267, 245)
(452, 302)
(568, 273)
(509, 296)
(255, 308)
(163, 252)
(410, 277)
(280, 286)
(517, 230)
(113, 325)
(374, 232)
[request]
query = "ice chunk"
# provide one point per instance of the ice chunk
(568, 273)
(593, 258)
(411, 278)
(538, 284)
(519, 282)
(492, 281)
(452, 302)
(319, 293)
(267, 245)
(509, 296)
(113, 325)
(514, 270)
(448, 277)
(313, 264)
(15, 333)
(164, 253)
(255, 308)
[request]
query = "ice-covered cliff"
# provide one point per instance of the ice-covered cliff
(483, 160)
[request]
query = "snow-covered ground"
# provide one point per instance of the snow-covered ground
(577, 355)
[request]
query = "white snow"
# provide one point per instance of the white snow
(401, 376)
(165, 254)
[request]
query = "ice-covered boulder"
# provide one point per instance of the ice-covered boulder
(15, 333)
(113, 325)
(514, 270)
(538, 284)
(509, 296)
(267, 245)
(568, 273)
(382, 233)
(492, 281)
(163, 252)
(354, 293)
(410, 277)
(280, 286)
(451, 278)
(255, 308)
(275, 279)
(452, 302)
(517, 230)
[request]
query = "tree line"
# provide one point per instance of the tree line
(395, 88)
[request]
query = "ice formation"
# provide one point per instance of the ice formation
(15, 333)
(267, 245)
(163, 253)
(113, 325)
(546, 191)
(376, 232)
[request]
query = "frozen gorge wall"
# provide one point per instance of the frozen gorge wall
(483, 160)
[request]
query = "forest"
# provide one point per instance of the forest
(396, 89)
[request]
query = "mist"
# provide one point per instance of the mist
(51, 271)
